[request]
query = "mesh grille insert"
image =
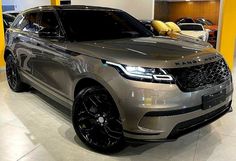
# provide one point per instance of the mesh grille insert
(201, 76)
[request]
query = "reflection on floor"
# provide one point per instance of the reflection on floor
(34, 128)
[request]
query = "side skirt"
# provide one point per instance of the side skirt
(46, 90)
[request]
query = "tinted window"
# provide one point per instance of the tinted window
(87, 25)
(205, 22)
(200, 21)
(17, 20)
(191, 27)
(49, 22)
(186, 20)
(29, 22)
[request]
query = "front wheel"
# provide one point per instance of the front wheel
(96, 120)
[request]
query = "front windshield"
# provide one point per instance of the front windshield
(191, 27)
(88, 25)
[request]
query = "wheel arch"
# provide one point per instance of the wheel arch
(90, 81)
(7, 52)
(85, 82)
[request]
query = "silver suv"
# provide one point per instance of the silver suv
(121, 82)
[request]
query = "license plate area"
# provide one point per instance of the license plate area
(211, 100)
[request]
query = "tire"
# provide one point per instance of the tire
(13, 78)
(96, 120)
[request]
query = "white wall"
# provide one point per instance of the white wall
(141, 9)
(21, 5)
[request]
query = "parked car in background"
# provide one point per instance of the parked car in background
(207, 24)
(195, 30)
(184, 20)
(213, 29)
(7, 20)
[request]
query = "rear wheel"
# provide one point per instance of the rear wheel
(96, 120)
(13, 77)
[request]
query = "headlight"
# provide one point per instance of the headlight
(142, 73)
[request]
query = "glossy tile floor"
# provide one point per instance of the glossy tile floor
(34, 128)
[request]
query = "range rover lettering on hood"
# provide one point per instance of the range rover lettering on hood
(197, 60)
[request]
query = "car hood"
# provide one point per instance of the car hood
(147, 52)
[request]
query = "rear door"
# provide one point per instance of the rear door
(25, 27)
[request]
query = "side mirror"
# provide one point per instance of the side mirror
(148, 26)
(49, 33)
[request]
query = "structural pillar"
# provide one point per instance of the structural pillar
(2, 63)
(227, 36)
(55, 2)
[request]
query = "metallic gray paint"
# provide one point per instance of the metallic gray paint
(56, 66)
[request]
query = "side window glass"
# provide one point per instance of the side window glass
(22, 22)
(49, 23)
(30, 23)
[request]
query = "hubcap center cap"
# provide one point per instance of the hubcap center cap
(101, 120)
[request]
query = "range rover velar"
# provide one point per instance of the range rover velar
(120, 81)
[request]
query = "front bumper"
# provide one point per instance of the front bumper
(181, 127)
(189, 125)
(193, 124)
(156, 112)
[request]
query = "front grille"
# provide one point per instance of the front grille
(198, 77)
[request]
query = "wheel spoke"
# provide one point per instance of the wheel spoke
(94, 100)
(85, 122)
(89, 110)
(112, 133)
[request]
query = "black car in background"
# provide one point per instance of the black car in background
(184, 20)
(204, 21)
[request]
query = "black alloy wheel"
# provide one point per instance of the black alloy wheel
(96, 120)
(13, 77)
